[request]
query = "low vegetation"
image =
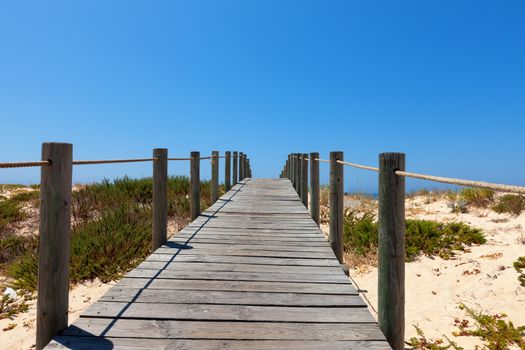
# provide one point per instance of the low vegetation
(494, 332)
(510, 203)
(111, 231)
(11, 211)
(519, 265)
(477, 197)
(422, 236)
(461, 201)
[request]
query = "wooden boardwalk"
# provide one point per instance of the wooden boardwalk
(252, 272)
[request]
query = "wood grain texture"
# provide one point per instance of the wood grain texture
(391, 250)
(195, 185)
(109, 343)
(314, 187)
(227, 170)
(235, 170)
(160, 197)
(336, 204)
(214, 176)
(253, 271)
(304, 179)
(55, 226)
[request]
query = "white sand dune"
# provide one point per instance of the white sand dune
(483, 278)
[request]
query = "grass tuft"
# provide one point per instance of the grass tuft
(477, 197)
(510, 203)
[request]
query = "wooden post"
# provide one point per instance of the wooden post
(241, 166)
(160, 197)
(227, 170)
(214, 176)
(296, 172)
(249, 168)
(245, 166)
(235, 170)
(304, 180)
(300, 176)
(336, 204)
(314, 186)
(292, 168)
(195, 185)
(391, 251)
(288, 175)
(53, 256)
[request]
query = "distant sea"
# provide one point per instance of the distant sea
(366, 194)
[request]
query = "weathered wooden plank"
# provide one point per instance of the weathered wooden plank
(207, 312)
(252, 260)
(231, 267)
(88, 343)
(261, 247)
(238, 276)
(223, 330)
(263, 244)
(124, 294)
(246, 252)
(319, 242)
(203, 236)
(239, 286)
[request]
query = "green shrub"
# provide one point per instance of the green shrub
(13, 246)
(10, 211)
(112, 231)
(111, 245)
(9, 187)
(519, 265)
(494, 331)
(10, 307)
(477, 197)
(421, 236)
(442, 239)
(93, 199)
(24, 272)
(26, 196)
(510, 203)
(360, 232)
(105, 247)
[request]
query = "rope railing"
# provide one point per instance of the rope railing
(179, 159)
(112, 161)
(359, 166)
(11, 165)
(440, 179)
(462, 182)
(7, 165)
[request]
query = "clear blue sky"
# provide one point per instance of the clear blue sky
(442, 81)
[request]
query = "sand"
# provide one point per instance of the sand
(23, 335)
(482, 278)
